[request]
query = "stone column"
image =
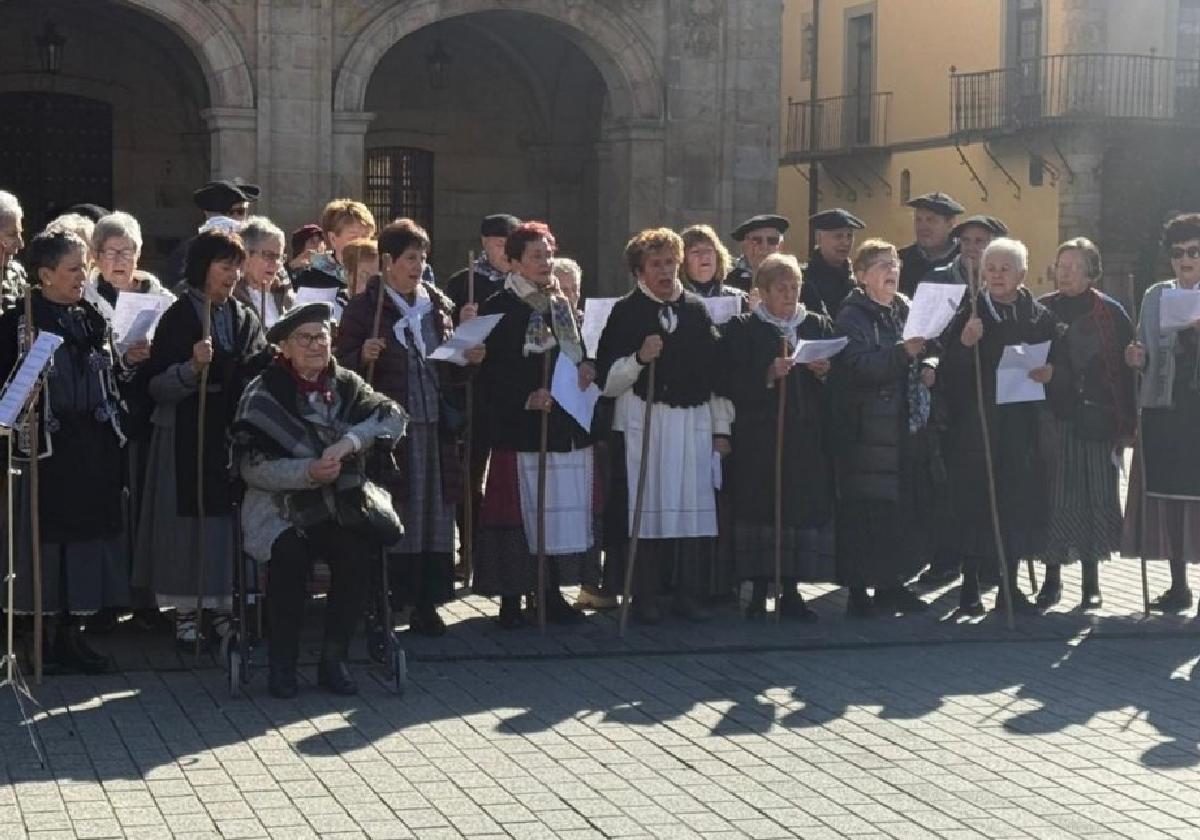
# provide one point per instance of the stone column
(234, 137)
(349, 153)
(1081, 201)
(632, 193)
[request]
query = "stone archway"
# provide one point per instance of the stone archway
(629, 148)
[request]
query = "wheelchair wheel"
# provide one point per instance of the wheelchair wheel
(235, 672)
(399, 667)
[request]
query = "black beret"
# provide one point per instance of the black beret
(251, 191)
(501, 224)
(765, 221)
(318, 312)
(89, 211)
(836, 219)
(220, 196)
(989, 223)
(937, 202)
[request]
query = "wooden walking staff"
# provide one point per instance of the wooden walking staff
(468, 445)
(991, 468)
(782, 384)
(33, 425)
(1139, 448)
(639, 498)
(206, 334)
(378, 315)
(541, 497)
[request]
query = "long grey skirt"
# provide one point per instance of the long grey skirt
(165, 557)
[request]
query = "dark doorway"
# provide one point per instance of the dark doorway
(56, 150)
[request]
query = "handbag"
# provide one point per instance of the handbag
(365, 507)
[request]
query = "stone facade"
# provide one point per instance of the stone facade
(602, 116)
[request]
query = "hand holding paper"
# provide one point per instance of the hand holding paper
(1013, 381)
(933, 307)
(469, 334)
(580, 403)
(1179, 309)
(814, 351)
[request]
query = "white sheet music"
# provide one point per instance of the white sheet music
(721, 309)
(564, 387)
(21, 387)
(1013, 384)
(309, 294)
(469, 334)
(135, 316)
(814, 351)
(1179, 309)
(933, 306)
(595, 316)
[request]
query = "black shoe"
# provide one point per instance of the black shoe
(1091, 598)
(152, 621)
(510, 614)
(558, 611)
(899, 599)
(1021, 604)
(859, 604)
(103, 622)
(281, 681)
(756, 609)
(425, 621)
(334, 675)
(73, 653)
(794, 609)
(1050, 593)
(1173, 600)
(970, 605)
(970, 609)
(938, 576)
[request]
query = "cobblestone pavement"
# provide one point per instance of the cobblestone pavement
(1075, 737)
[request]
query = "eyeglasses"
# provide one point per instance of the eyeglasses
(269, 256)
(765, 240)
(307, 339)
(119, 253)
(1192, 252)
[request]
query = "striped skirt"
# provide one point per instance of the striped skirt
(1085, 507)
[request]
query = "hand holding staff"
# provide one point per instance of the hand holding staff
(782, 385)
(206, 335)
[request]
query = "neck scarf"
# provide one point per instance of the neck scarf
(326, 264)
(668, 315)
(786, 326)
(318, 388)
(484, 266)
(410, 316)
(552, 322)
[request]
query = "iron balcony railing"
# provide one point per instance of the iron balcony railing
(842, 123)
(1081, 86)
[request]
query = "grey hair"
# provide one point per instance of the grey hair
(569, 266)
(10, 208)
(1014, 249)
(258, 229)
(74, 223)
(117, 223)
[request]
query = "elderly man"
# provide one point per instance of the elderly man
(490, 268)
(933, 222)
(760, 237)
(828, 277)
(973, 234)
(660, 328)
(216, 198)
(12, 275)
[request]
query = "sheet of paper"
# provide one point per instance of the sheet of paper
(130, 324)
(21, 387)
(1179, 309)
(718, 477)
(307, 294)
(469, 334)
(595, 316)
(721, 309)
(1013, 384)
(564, 387)
(933, 307)
(814, 351)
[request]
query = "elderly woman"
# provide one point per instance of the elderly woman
(1169, 358)
(302, 432)
(1091, 396)
(885, 463)
(706, 262)
(1004, 313)
(264, 287)
(538, 328)
(661, 323)
(569, 277)
(84, 568)
(167, 553)
(12, 275)
(342, 221)
(755, 371)
(416, 319)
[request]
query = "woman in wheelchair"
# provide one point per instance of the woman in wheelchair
(300, 440)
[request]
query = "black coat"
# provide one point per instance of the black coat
(826, 286)
(457, 291)
(870, 402)
(1021, 449)
(914, 266)
(507, 378)
(747, 349)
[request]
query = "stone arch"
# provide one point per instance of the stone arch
(213, 45)
(618, 51)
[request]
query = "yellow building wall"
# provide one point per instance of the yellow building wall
(1033, 218)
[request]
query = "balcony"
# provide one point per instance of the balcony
(843, 124)
(1076, 88)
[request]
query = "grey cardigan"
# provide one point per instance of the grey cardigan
(1158, 377)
